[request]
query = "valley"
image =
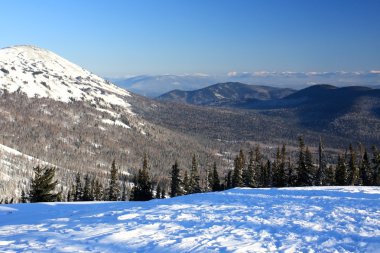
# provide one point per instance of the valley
(72, 119)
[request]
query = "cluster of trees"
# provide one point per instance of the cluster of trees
(255, 171)
(351, 168)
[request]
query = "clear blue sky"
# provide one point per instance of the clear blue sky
(210, 36)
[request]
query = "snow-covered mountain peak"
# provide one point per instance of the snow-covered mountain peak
(42, 73)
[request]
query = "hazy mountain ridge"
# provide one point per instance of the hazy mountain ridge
(226, 94)
(155, 85)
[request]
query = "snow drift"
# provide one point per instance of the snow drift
(314, 219)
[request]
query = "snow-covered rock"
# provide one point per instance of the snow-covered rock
(314, 219)
(39, 72)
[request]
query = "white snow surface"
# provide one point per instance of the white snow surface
(314, 219)
(39, 72)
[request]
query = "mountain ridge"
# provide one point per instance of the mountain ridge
(226, 94)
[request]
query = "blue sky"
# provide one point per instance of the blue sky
(116, 38)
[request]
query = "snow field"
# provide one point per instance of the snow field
(314, 219)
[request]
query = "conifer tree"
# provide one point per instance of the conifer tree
(158, 191)
(305, 165)
(194, 182)
(163, 193)
(186, 183)
(209, 176)
(24, 198)
(259, 167)
(228, 180)
(330, 176)
(124, 191)
(69, 196)
(321, 172)
(215, 183)
(175, 185)
(142, 190)
(98, 190)
(353, 172)
(279, 169)
(309, 167)
(78, 194)
(375, 167)
(281, 173)
(43, 185)
(237, 177)
(113, 191)
(364, 170)
(249, 172)
(87, 195)
(341, 172)
(268, 174)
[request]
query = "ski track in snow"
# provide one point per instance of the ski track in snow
(314, 219)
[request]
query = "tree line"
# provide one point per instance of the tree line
(249, 170)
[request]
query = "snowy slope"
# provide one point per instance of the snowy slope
(331, 219)
(39, 72)
(15, 170)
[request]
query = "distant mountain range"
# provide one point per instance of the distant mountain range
(156, 85)
(153, 86)
(226, 94)
(322, 108)
(239, 95)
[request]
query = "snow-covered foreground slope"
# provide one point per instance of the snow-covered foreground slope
(334, 219)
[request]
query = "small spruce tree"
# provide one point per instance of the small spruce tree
(78, 194)
(341, 172)
(158, 191)
(215, 183)
(175, 185)
(194, 181)
(142, 190)
(43, 185)
(113, 190)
